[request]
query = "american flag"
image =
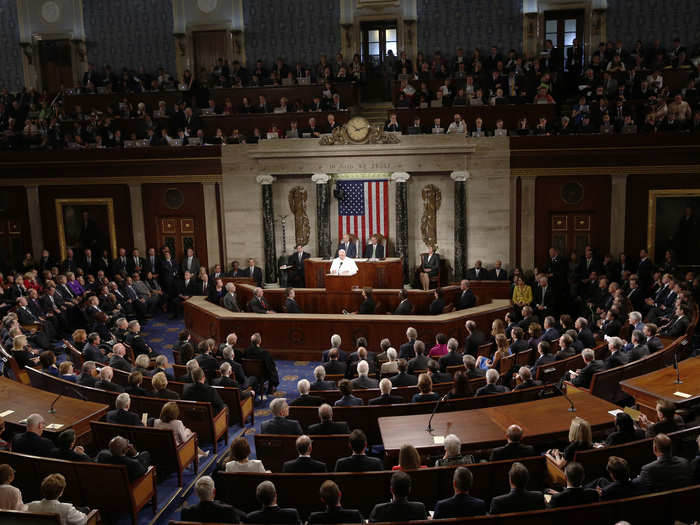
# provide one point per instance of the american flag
(364, 209)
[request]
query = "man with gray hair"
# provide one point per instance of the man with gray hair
(584, 376)
(420, 362)
(491, 387)
(229, 301)
(304, 463)
(187, 376)
(121, 414)
(117, 360)
(258, 305)
(524, 379)
(327, 425)
(31, 441)
(105, 381)
(384, 345)
(121, 452)
(453, 357)
(639, 348)
(385, 386)
(635, 320)
(279, 424)
(305, 399)
(406, 350)
(363, 380)
(228, 381)
(336, 341)
(453, 453)
(320, 383)
(210, 510)
(617, 357)
(266, 494)
(470, 367)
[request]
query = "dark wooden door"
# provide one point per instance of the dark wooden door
(570, 232)
(56, 64)
(178, 234)
(377, 39)
(208, 47)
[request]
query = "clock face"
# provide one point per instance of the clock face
(357, 129)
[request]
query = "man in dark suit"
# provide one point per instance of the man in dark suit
(271, 513)
(290, 304)
(31, 442)
(321, 383)
(584, 333)
(524, 379)
(403, 378)
(466, 296)
(645, 269)
(386, 398)
(359, 461)
(349, 247)
(327, 425)
(253, 272)
(498, 273)
(258, 304)
(279, 424)
(121, 452)
(639, 348)
(198, 390)
(190, 263)
(334, 366)
(405, 307)
(574, 493)
(519, 343)
(592, 365)
(67, 450)
(296, 261)
(543, 298)
(239, 380)
(399, 508)
(105, 380)
(453, 357)
(519, 499)
(667, 472)
(475, 338)
(617, 357)
(477, 273)
(622, 486)
(269, 369)
(544, 357)
(210, 510)
(304, 463)
(92, 351)
(151, 263)
(678, 326)
(374, 250)
(420, 362)
(406, 350)
(336, 341)
(363, 380)
(334, 513)
(117, 360)
(461, 505)
(470, 369)
(305, 399)
(513, 448)
(438, 304)
(121, 415)
(491, 387)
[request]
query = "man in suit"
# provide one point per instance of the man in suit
(524, 379)
(399, 508)
(438, 304)
(667, 420)
(121, 452)
(205, 359)
(210, 510)
(321, 383)
(92, 351)
(584, 376)
(253, 272)
(544, 357)
(105, 380)
(461, 505)
(120, 265)
(491, 387)
(477, 273)
(363, 380)
(349, 247)
(241, 383)
(513, 448)
(296, 261)
(151, 263)
(584, 333)
(668, 472)
(678, 326)
(183, 289)
(374, 250)
(475, 338)
(519, 343)
(271, 513)
(639, 348)
(622, 486)
(198, 390)
(31, 442)
(117, 360)
(358, 461)
(617, 357)
(420, 362)
(229, 300)
(327, 425)
(269, 369)
(290, 303)
(498, 273)
(279, 424)
(386, 398)
(258, 305)
(645, 270)
(543, 298)
(636, 296)
(470, 368)
(453, 357)
(551, 332)
(406, 350)
(334, 513)
(190, 263)
(519, 499)
(336, 341)
(574, 493)
(305, 399)
(653, 342)
(66, 448)
(405, 307)
(121, 415)
(466, 296)
(334, 366)
(403, 378)
(304, 463)
(135, 341)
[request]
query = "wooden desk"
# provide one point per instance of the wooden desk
(343, 283)
(661, 384)
(386, 273)
(26, 400)
(543, 420)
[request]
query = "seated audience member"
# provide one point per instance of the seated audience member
(502, 351)
(334, 366)
(363, 380)
(65, 371)
(513, 449)
(327, 425)
(105, 380)
(198, 390)
(347, 399)
(440, 348)
(67, 449)
(385, 386)
(667, 472)
(304, 463)
(236, 459)
(279, 424)
(210, 510)
(624, 432)
(435, 375)
(227, 381)
(617, 357)
(159, 382)
(392, 365)
(10, 497)
(470, 369)
(580, 438)
(667, 422)
(544, 357)
(461, 389)
(403, 378)
(420, 362)
(453, 357)
(404, 307)
(453, 453)
(425, 390)
(566, 348)
(321, 383)
(584, 376)
(134, 387)
(87, 374)
(399, 508)
(169, 415)
(574, 493)
(52, 488)
(491, 387)
(121, 414)
(524, 379)
(47, 360)
(409, 458)
(461, 505)
(336, 341)
(334, 513)
(620, 485)
(639, 348)
(121, 452)
(305, 399)
(118, 362)
(358, 461)
(406, 350)
(270, 374)
(519, 499)
(31, 441)
(271, 513)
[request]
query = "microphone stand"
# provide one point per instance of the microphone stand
(677, 368)
(562, 391)
(52, 410)
(429, 429)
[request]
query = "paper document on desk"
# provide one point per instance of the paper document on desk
(682, 394)
(6, 413)
(439, 440)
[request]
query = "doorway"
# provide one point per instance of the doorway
(561, 27)
(177, 233)
(377, 38)
(570, 232)
(56, 64)
(208, 47)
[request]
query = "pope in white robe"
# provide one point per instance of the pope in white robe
(343, 265)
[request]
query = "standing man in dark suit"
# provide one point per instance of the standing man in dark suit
(430, 267)
(645, 268)
(327, 425)
(199, 391)
(347, 245)
(290, 304)
(519, 499)
(466, 296)
(135, 263)
(543, 298)
(271, 513)
(31, 442)
(304, 463)
(498, 273)
(477, 273)
(209, 510)
(461, 505)
(374, 250)
(574, 493)
(359, 461)
(253, 272)
(279, 424)
(513, 449)
(190, 262)
(296, 261)
(399, 508)
(584, 376)
(668, 472)
(167, 274)
(269, 369)
(475, 338)
(334, 513)
(121, 415)
(151, 263)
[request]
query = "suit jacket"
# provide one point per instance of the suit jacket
(436, 306)
(108, 385)
(637, 353)
(482, 274)
(617, 358)
(231, 303)
(473, 342)
(258, 305)
(512, 451)
(323, 385)
(359, 463)
(124, 417)
(420, 362)
(450, 359)
(500, 275)
(401, 510)
(678, 328)
(335, 367)
(307, 400)
(584, 378)
(292, 307)
(466, 299)
(459, 506)
(281, 425)
(618, 490)
(574, 496)
(491, 389)
(93, 353)
(403, 379)
(350, 249)
(404, 308)
(211, 512)
(378, 253)
(342, 355)
(256, 275)
(348, 401)
(365, 382)
(33, 444)
(517, 501)
(120, 363)
(304, 464)
(386, 400)
(586, 337)
(207, 362)
(336, 515)
(433, 266)
(203, 392)
(193, 266)
(406, 350)
(666, 473)
(325, 428)
(273, 515)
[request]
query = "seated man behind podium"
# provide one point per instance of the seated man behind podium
(348, 246)
(327, 425)
(279, 424)
(343, 265)
(374, 250)
(359, 461)
(290, 303)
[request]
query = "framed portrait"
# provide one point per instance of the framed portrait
(86, 223)
(673, 225)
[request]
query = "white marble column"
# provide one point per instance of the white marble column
(34, 209)
(527, 222)
(618, 205)
(138, 228)
(211, 223)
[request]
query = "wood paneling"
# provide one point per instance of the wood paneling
(14, 217)
(208, 47)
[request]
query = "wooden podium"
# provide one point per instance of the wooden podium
(342, 283)
(384, 274)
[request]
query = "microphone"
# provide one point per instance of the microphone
(676, 368)
(562, 391)
(52, 410)
(429, 429)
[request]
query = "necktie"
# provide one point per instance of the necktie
(204, 287)
(132, 293)
(251, 271)
(374, 251)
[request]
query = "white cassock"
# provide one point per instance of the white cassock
(343, 266)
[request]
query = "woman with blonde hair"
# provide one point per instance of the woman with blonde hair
(22, 352)
(502, 350)
(159, 382)
(169, 415)
(580, 438)
(409, 458)
(497, 327)
(425, 390)
(141, 363)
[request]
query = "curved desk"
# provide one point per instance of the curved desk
(383, 273)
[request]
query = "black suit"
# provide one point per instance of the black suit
(466, 300)
(120, 363)
(307, 401)
(436, 306)
(359, 463)
(498, 275)
(378, 252)
(211, 512)
(336, 515)
(637, 353)
(420, 362)
(135, 466)
(517, 501)
(512, 451)
(574, 496)
(255, 274)
(406, 350)
(33, 444)
(666, 473)
(292, 307)
(459, 506)
(491, 389)
(350, 249)
(386, 400)
(304, 464)
(678, 328)
(323, 385)
(473, 342)
(477, 274)
(615, 359)
(281, 425)
(404, 308)
(398, 510)
(334, 367)
(586, 375)
(403, 379)
(297, 271)
(203, 392)
(273, 515)
(108, 385)
(325, 428)
(123, 417)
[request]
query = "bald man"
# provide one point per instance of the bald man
(513, 448)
